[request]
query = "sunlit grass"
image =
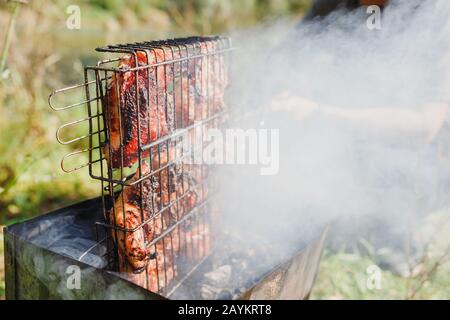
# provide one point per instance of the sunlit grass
(344, 276)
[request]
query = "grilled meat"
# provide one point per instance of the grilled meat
(146, 104)
(192, 244)
(126, 214)
(165, 198)
(123, 114)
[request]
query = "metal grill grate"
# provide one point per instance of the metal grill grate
(147, 113)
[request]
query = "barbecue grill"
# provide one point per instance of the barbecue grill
(147, 110)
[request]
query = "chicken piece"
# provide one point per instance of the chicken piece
(155, 265)
(124, 116)
(158, 192)
(170, 96)
(158, 273)
(197, 242)
(161, 270)
(126, 214)
(141, 106)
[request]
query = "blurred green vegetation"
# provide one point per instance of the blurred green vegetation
(344, 272)
(343, 275)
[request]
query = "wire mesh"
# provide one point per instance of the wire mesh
(148, 110)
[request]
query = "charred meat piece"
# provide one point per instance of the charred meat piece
(150, 207)
(189, 245)
(144, 102)
(133, 104)
(127, 214)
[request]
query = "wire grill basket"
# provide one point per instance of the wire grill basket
(148, 109)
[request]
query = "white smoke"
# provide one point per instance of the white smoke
(375, 179)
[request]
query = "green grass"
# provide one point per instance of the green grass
(344, 276)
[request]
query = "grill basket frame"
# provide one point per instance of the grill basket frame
(183, 57)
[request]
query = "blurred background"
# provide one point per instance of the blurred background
(44, 55)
